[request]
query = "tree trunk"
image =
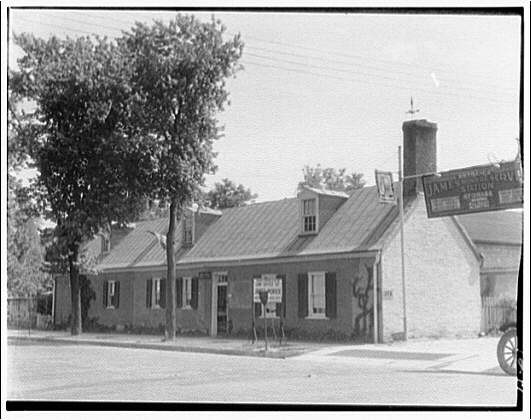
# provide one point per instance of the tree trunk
(170, 283)
(75, 325)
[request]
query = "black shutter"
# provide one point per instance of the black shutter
(149, 288)
(280, 308)
(105, 290)
(331, 295)
(195, 293)
(257, 309)
(179, 291)
(116, 294)
(303, 294)
(162, 303)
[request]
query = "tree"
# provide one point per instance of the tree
(89, 161)
(332, 179)
(227, 194)
(24, 251)
(178, 79)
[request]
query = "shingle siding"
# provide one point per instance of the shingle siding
(442, 280)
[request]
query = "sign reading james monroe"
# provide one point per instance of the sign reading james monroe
(474, 189)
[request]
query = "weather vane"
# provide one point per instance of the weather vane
(412, 111)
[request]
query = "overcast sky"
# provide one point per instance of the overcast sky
(334, 88)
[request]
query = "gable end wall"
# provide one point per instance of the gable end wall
(442, 280)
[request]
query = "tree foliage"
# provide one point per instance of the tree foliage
(24, 251)
(331, 179)
(179, 71)
(227, 194)
(88, 159)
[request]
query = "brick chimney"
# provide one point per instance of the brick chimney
(420, 152)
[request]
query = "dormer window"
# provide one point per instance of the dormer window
(105, 244)
(309, 215)
(188, 228)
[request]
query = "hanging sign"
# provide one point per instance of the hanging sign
(475, 189)
(384, 183)
(270, 284)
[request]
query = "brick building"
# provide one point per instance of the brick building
(338, 257)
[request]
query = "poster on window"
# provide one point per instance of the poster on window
(271, 284)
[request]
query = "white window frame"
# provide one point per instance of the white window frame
(311, 314)
(111, 285)
(155, 281)
(270, 307)
(316, 215)
(187, 303)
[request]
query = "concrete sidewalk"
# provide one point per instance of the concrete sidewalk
(472, 355)
(465, 355)
(218, 345)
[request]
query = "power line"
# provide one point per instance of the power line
(301, 71)
(352, 56)
(409, 74)
(368, 66)
(350, 71)
(296, 63)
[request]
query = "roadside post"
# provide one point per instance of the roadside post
(263, 299)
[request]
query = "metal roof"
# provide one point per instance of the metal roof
(494, 226)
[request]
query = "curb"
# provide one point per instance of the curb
(164, 347)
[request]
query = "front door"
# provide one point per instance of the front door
(222, 309)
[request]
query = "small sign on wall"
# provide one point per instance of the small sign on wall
(388, 294)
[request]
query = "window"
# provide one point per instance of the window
(111, 294)
(316, 295)
(309, 215)
(105, 244)
(156, 293)
(188, 228)
(187, 292)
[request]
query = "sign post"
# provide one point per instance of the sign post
(403, 265)
(263, 299)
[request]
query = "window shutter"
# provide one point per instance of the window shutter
(281, 307)
(257, 309)
(179, 291)
(117, 294)
(162, 293)
(331, 295)
(105, 290)
(303, 294)
(149, 288)
(195, 292)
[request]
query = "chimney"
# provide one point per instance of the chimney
(420, 153)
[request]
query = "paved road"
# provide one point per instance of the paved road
(79, 372)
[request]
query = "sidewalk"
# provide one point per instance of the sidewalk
(464, 355)
(219, 345)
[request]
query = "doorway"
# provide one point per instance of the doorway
(219, 305)
(222, 313)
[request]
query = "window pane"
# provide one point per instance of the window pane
(317, 294)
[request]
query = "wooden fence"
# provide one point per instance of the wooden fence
(495, 313)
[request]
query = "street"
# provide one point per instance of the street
(54, 371)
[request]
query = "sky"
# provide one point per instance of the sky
(333, 88)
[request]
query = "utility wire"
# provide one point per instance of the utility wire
(293, 63)
(357, 57)
(479, 91)
(301, 71)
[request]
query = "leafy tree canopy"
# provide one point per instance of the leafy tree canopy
(227, 194)
(331, 179)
